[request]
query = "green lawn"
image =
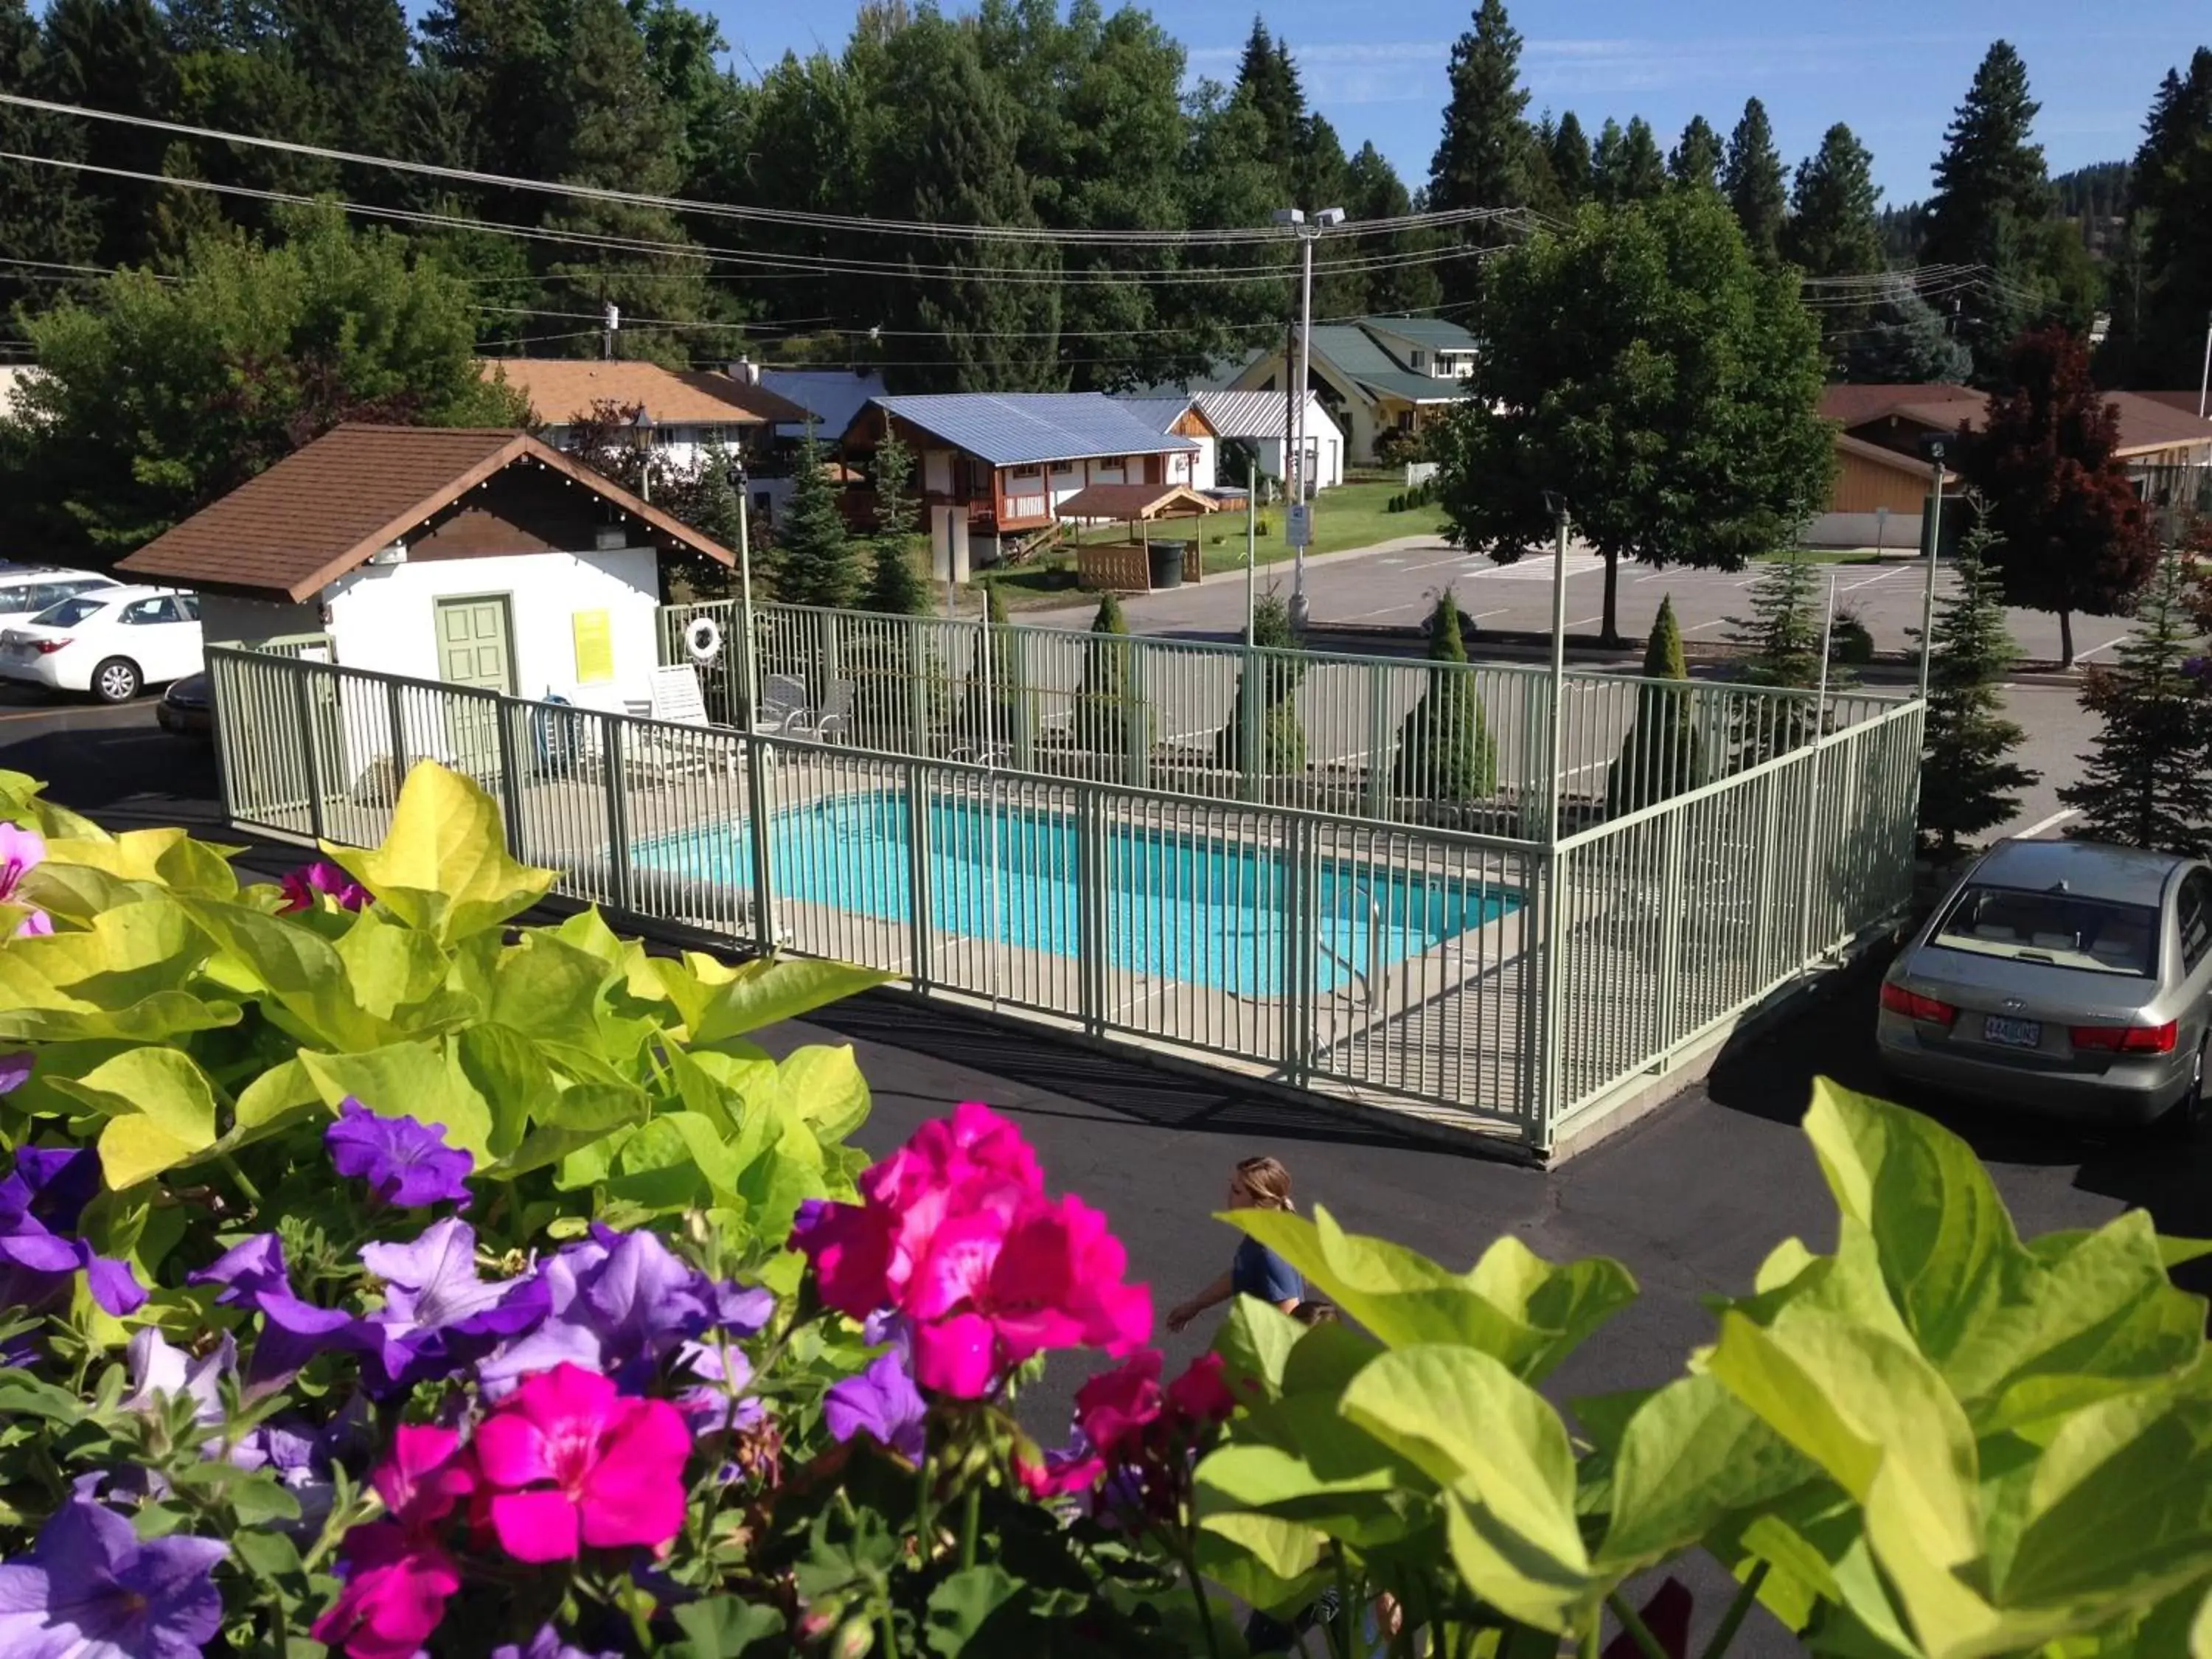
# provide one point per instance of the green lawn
(1354, 514)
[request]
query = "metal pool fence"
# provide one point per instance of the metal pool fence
(1404, 741)
(1485, 980)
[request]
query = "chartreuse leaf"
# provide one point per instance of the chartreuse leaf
(303, 974)
(508, 1070)
(127, 954)
(421, 1081)
(1690, 1455)
(1502, 1453)
(1268, 1562)
(443, 866)
(169, 857)
(825, 1088)
(544, 987)
(398, 973)
(1947, 1246)
(160, 1109)
(77, 893)
(1515, 1307)
(280, 1094)
(2200, 1631)
(760, 993)
(1254, 1343)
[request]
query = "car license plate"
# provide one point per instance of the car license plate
(2012, 1033)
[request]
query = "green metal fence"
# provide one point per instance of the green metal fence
(1488, 980)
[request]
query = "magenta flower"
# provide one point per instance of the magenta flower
(406, 1161)
(568, 1463)
(882, 1403)
(302, 886)
(21, 851)
(1201, 1394)
(89, 1587)
(1115, 1408)
(396, 1589)
(425, 1476)
(955, 1232)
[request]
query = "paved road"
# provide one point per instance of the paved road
(1691, 1199)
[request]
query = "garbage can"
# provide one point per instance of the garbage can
(1167, 564)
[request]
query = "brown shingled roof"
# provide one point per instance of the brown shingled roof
(2147, 424)
(322, 510)
(1855, 405)
(561, 388)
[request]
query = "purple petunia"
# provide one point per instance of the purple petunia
(438, 1314)
(40, 1203)
(160, 1369)
(882, 1403)
(301, 887)
(547, 1644)
(406, 1161)
(14, 1070)
(620, 1303)
(293, 1330)
(21, 851)
(90, 1587)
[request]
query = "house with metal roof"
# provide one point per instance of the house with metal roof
(1376, 376)
(829, 397)
(1252, 423)
(998, 463)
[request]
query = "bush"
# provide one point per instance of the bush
(384, 1275)
(1445, 752)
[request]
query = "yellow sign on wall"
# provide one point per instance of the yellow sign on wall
(595, 647)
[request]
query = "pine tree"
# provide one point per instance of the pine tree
(1627, 166)
(1482, 159)
(1570, 162)
(1835, 229)
(1282, 734)
(1659, 757)
(2145, 782)
(1750, 179)
(814, 559)
(1965, 776)
(1372, 191)
(1696, 158)
(1103, 710)
(2158, 321)
(1991, 196)
(1268, 80)
(1781, 643)
(895, 587)
(988, 720)
(710, 505)
(1904, 342)
(1445, 752)
(45, 217)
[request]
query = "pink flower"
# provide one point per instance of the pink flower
(301, 887)
(566, 1461)
(954, 1231)
(1114, 1408)
(1077, 1468)
(425, 1476)
(1201, 1396)
(396, 1584)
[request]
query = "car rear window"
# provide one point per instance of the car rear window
(69, 613)
(2064, 929)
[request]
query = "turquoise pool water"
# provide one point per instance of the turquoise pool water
(1204, 911)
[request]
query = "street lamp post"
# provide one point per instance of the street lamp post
(1934, 450)
(1294, 438)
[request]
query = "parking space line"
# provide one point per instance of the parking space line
(1718, 621)
(2082, 656)
(2051, 822)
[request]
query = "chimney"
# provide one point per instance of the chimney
(745, 372)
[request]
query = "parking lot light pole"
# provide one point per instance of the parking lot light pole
(1294, 435)
(1558, 505)
(1934, 540)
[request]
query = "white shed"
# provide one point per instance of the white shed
(1257, 420)
(475, 556)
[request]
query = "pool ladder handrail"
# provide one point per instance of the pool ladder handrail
(1374, 945)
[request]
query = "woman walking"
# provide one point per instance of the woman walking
(1259, 1183)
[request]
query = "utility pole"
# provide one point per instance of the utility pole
(1297, 518)
(1551, 743)
(610, 322)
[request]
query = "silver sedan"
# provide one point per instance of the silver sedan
(2065, 978)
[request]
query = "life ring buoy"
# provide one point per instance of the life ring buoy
(703, 639)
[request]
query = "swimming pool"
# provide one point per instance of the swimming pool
(1178, 906)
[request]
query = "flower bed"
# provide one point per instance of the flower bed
(382, 1276)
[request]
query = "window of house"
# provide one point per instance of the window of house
(1111, 461)
(1420, 361)
(1063, 467)
(1404, 420)
(1026, 471)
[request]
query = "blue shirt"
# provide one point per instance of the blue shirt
(1258, 1271)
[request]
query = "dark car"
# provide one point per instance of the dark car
(187, 708)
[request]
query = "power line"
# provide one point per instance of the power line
(1129, 238)
(783, 263)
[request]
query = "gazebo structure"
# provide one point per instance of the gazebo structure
(1136, 565)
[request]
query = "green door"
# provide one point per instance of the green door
(475, 648)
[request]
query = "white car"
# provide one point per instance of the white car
(26, 590)
(111, 641)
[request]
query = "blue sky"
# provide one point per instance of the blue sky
(1893, 70)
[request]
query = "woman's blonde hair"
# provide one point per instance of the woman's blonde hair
(1268, 1182)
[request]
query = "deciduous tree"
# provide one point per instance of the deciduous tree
(1642, 366)
(156, 397)
(2072, 536)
